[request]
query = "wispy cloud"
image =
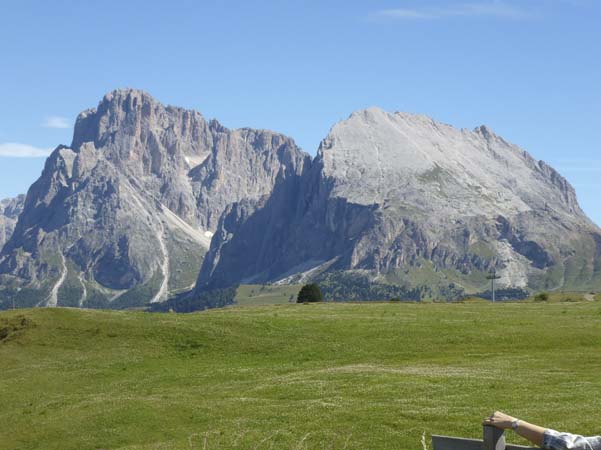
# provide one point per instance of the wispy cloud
(16, 150)
(498, 9)
(56, 122)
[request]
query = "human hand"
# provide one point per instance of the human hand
(500, 420)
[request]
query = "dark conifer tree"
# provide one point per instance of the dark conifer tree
(309, 293)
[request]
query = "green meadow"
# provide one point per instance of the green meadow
(265, 294)
(318, 376)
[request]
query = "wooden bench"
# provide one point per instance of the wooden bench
(493, 439)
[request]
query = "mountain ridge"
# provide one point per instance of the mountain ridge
(389, 193)
(127, 212)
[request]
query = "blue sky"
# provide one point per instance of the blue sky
(529, 69)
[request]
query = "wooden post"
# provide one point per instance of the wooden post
(494, 439)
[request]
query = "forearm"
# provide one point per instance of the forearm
(532, 432)
(543, 437)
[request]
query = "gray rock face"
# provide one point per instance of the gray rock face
(407, 200)
(125, 214)
(10, 208)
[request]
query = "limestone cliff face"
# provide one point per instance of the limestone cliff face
(10, 208)
(411, 201)
(125, 214)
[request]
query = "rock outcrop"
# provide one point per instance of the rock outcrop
(406, 200)
(10, 208)
(125, 214)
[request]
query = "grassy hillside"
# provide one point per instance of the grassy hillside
(321, 376)
(266, 294)
(562, 297)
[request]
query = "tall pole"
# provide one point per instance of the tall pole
(492, 276)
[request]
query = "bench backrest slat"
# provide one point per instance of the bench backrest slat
(453, 443)
(494, 439)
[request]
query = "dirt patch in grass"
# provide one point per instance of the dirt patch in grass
(9, 328)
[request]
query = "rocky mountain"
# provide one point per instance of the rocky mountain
(125, 214)
(10, 208)
(402, 200)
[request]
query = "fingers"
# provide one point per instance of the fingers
(499, 419)
(496, 419)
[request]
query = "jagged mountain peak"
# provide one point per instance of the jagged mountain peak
(395, 192)
(128, 99)
(127, 92)
(127, 212)
(377, 115)
(375, 156)
(133, 113)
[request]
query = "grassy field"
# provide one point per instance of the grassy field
(319, 376)
(258, 294)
